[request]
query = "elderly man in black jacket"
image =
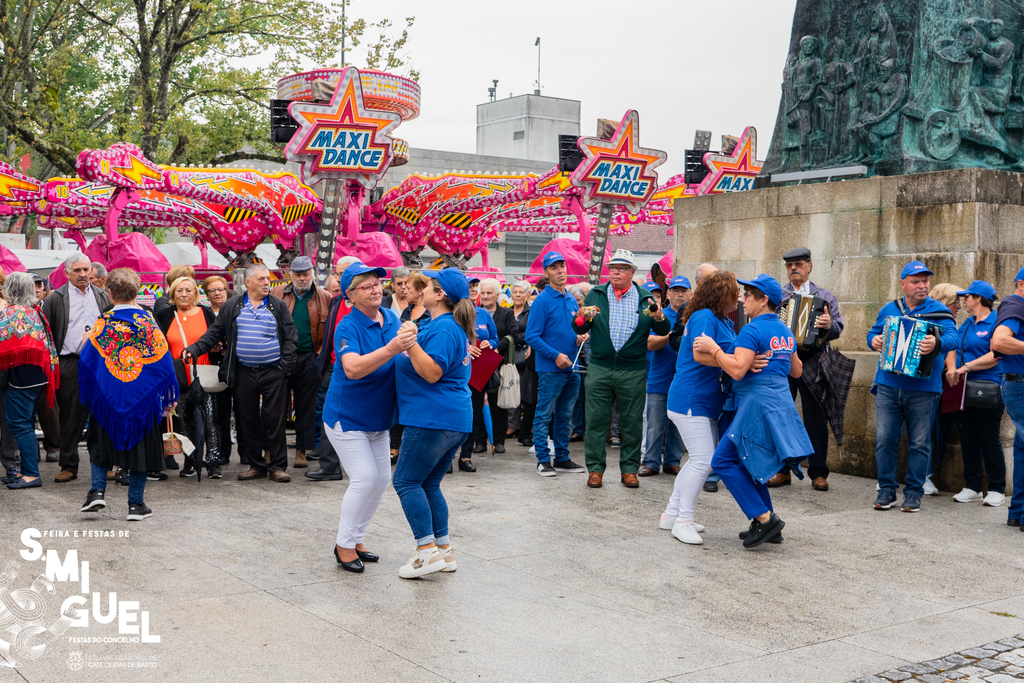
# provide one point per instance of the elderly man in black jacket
(71, 311)
(260, 345)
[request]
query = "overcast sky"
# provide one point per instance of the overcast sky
(683, 64)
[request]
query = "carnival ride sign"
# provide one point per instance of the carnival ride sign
(619, 171)
(343, 139)
(732, 172)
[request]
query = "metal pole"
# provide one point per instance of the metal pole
(600, 240)
(341, 59)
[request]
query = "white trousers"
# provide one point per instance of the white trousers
(700, 435)
(366, 457)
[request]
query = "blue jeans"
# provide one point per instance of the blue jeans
(556, 396)
(20, 411)
(136, 483)
(662, 435)
(893, 409)
(422, 462)
(751, 495)
(1013, 397)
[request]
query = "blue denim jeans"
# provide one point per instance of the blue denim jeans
(1013, 397)
(20, 411)
(556, 396)
(422, 462)
(895, 408)
(664, 445)
(136, 483)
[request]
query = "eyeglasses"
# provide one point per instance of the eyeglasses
(368, 288)
(215, 291)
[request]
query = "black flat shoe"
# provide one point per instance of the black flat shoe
(761, 532)
(499, 448)
(1013, 522)
(355, 566)
(480, 448)
(528, 441)
(466, 465)
(366, 556)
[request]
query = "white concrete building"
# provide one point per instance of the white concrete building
(525, 127)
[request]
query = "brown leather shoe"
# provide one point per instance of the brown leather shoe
(282, 477)
(646, 471)
(672, 469)
(779, 479)
(300, 459)
(630, 481)
(820, 484)
(65, 476)
(594, 480)
(251, 473)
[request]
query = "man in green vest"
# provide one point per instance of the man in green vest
(626, 315)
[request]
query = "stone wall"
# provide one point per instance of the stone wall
(965, 224)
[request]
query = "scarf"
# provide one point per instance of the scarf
(619, 293)
(126, 375)
(25, 339)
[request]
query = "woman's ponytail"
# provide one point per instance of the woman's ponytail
(464, 313)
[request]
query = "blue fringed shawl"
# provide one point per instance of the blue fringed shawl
(126, 375)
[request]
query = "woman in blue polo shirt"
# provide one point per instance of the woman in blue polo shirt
(435, 407)
(767, 430)
(977, 423)
(365, 344)
(695, 398)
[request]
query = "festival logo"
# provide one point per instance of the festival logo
(342, 139)
(33, 617)
(734, 172)
(618, 171)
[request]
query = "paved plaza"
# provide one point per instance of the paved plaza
(556, 582)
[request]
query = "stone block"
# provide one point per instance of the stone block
(1002, 678)
(741, 205)
(931, 678)
(804, 199)
(895, 675)
(999, 187)
(857, 195)
(978, 653)
(944, 187)
(998, 647)
(693, 210)
(990, 664)
(917, 669)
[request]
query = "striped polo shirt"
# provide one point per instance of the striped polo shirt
(257, 335)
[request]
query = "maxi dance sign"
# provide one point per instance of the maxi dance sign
(343, 139)
(618, 171)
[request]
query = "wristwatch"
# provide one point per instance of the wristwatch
(968, 366)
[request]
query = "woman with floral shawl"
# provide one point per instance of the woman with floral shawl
(27, 351)
(126, 378)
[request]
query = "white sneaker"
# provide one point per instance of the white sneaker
(687, 533)
(667, 523)
(967, 496)
(994, 499)
(421, 564)
(930, 489)
(449, 559)
(551, 448)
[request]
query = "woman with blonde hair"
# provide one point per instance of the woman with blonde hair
(947, 294)
(184, 324)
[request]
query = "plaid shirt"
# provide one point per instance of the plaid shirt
(622, 315)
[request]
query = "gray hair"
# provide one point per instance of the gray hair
(251, 270)
(74, 258)
(400, 271)
(344, 262)
(576, 291)
(493, 284)
(20, 290)
(98, 269)
(523, 285)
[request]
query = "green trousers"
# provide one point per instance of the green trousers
(629, 389)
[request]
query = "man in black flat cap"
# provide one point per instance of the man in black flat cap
(825, 382)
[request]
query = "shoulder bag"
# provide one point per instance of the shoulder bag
(509, 390)
(207, 374)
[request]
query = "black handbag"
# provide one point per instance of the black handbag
(983, 394)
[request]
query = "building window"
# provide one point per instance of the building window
(519, 135)
(521, 249)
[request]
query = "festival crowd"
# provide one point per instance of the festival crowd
(443, 366)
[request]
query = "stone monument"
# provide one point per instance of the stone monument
(902, 86)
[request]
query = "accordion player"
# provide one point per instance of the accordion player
(901, 346)
(800, 315)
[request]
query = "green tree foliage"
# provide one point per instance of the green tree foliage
(189, 81)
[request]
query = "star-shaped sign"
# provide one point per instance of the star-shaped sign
(734, 172)
(342, 139)
(618, 171)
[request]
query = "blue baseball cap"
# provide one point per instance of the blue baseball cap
(552, 257)
(768, 285)
(679, 281)
(357, 268)
(453, 283)
(980, 288)
(1020, 275)
(652, 286)
(914, 268)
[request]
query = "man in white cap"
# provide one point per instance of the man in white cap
(627, 314)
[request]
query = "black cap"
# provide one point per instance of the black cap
(798, 254)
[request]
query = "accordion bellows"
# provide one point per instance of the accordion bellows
(901, 346)
(800, 315)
